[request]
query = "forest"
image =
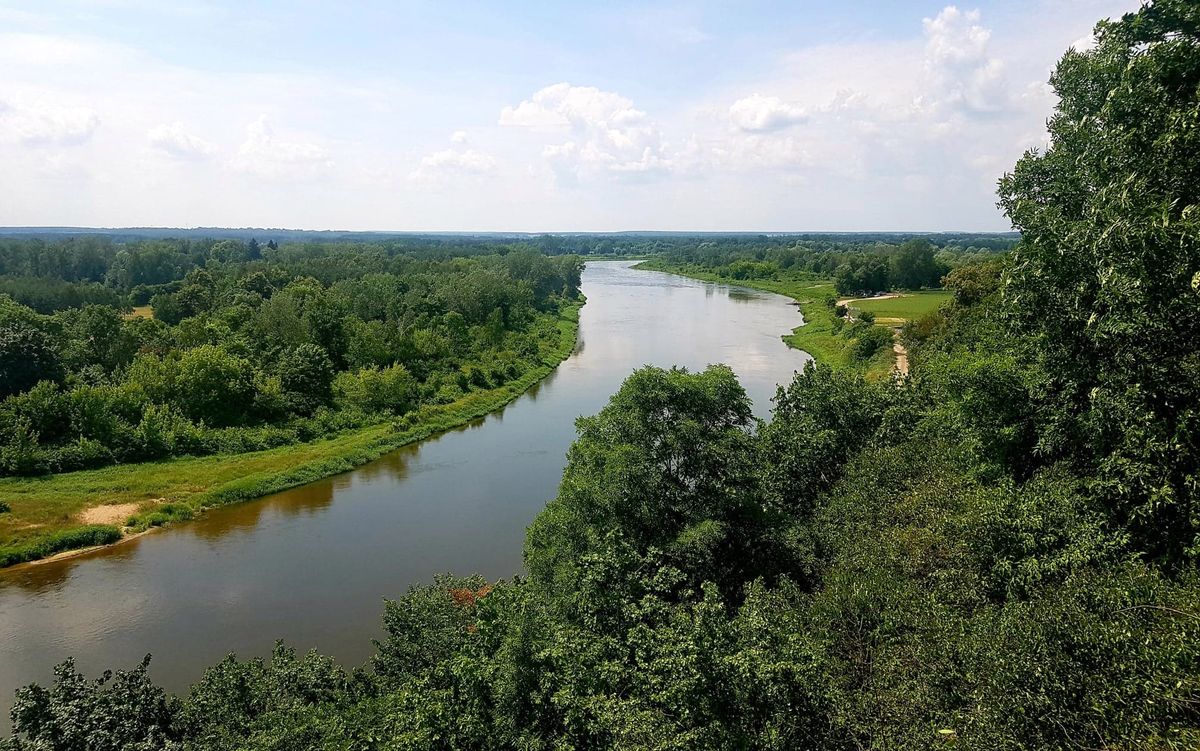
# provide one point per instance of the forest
(249, 348)
(998, 551)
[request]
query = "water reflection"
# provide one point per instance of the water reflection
(312, 564)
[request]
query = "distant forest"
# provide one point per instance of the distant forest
(114, 352)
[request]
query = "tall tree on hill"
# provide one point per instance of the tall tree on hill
(1101, 284)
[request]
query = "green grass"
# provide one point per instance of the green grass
(44, 515)
(908, 307)
(816, 335)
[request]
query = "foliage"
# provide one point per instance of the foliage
(246, 344)
(27, 356)
(1100, 285)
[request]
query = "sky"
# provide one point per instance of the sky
(859, 115)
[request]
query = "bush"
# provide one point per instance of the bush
(68, 539)
(871, 340)
(390, 389)
(164, 431)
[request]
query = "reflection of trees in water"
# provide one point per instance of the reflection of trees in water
(48, 576)
(742, 295)
(536, 389)
(245, 516)
(392, 465)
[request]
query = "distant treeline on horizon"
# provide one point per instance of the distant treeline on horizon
(585, 243)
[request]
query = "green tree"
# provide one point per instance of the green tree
(27, 355)
(97, 335)
(121, 712)
(665, 465)
(214, 386)
(306, 375)
(1100, 285)
(915, 267)
(390, 389)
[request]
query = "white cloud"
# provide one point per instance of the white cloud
(758, 113)
(38, 123)
(761, 152)
(174, 139)
(609, 135)
(893, 127)
(961, 72)
(265, 155)
(1085, 43)
(448, 162)
(563, 104)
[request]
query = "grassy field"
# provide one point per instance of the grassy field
(816, 335)
(141, 311)
(46, 511)
(907, 307)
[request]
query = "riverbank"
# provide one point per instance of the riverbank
(819, 334)
(47, 512)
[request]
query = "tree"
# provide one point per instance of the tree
(97, 336)
(27, 355)
(214, 386)
(915, 267)
(306, 375)
(168, 308)
(122, 712)
(390, 389)
(664, 465)
(1100, 285)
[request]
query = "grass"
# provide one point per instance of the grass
(140, 311)
(45, 510)
(908, 306)
(816, 335)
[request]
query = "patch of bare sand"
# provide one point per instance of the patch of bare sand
(116, 513)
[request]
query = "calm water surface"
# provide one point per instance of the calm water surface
(312, 565)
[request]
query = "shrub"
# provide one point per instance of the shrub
(871, 340)
(390, 389)
(67, 539)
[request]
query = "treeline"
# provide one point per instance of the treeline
(863, 268)
(52, 273)
(711, 244)
(55, 273)
(254, 347)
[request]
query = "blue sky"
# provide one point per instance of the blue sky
(524, 116)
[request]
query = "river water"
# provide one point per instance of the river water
(312, 565)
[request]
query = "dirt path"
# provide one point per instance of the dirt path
(847, 300)
(901, 353)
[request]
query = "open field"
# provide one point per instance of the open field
(49, 514)
(907, 306)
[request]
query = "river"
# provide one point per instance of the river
(312, 565)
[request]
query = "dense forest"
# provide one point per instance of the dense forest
(244, 347)
(999, 551)
(861, 268)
